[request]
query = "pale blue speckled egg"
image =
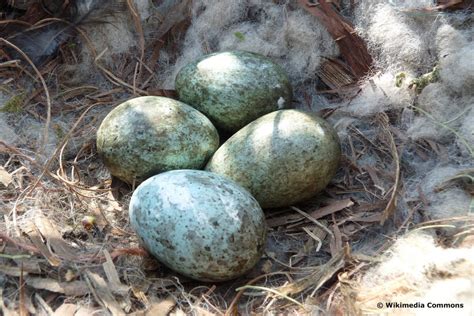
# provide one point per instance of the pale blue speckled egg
(199, 224)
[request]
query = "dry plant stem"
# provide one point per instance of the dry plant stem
(114, 79)
(392, 203)
(23, 309)
(19, 244)
(139, 29)
(443, 125)
(63, 143)
(232, 309)
(15, 21)
(46, 91)
(255, 287)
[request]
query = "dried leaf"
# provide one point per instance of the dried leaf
(54, 239)
(35, 237)
(161, 308)
(75, 288)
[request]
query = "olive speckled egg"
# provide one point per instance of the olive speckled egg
(234, 88)
(199, 224)
(148, 135)
(282, 158)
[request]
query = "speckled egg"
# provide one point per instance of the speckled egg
(199, 224)
(234, 88)
(148, 135)
(282, 158)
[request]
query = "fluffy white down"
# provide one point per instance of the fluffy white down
(415, 269)
(289, 36)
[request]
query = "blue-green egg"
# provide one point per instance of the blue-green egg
(199, 224)
(148, 135)
(234, 88)
(281, 158)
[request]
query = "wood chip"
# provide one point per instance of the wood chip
(75, 288)
(102, 293)
(335, 75)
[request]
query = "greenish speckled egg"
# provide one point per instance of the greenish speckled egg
(282, 158)
(148, 135)
(199, 224)
(234, 88)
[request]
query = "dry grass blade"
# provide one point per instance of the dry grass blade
(21, 245)
(54, 239)
(392, 203)
(317, 278)
(335, 76)
(232, 309)
(12, 271)
(42, 303)
(23, 309)
(46, 91)
(139, 28)
(116, 80)
(102, 293)
(74, 288)
(114, 281)
(276, 292)
(332, 208)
